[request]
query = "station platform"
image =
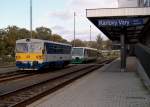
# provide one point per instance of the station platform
(106, 87)
(8, 69)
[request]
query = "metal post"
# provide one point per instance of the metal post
(90, 37)
(123, 53)
(90, 32)
(74, 28)
(31, 18)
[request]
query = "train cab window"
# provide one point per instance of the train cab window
(35, 47)
(77, 51)
(21, 47)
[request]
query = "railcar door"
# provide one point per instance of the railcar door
(44, 52)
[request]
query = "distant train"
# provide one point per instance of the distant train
(36, 54)
(83, 55)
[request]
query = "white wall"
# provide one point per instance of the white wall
(129, 3)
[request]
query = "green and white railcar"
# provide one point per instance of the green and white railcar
(83, 55)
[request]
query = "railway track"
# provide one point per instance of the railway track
(6, 66)
(48, 83)
(15, 76)
(25, 95)
(20, 74)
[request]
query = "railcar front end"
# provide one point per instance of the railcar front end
(78, 55)
(29, 55)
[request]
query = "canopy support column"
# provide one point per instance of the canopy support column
(123, 51)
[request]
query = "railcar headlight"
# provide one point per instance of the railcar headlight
(39, 57)
(18, 57)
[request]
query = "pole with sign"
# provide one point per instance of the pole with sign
(74, 29)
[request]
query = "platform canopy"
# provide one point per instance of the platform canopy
(134, 23)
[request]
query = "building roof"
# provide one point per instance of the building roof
(134, 22)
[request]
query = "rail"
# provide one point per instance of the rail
(23, 96)
(8, 76)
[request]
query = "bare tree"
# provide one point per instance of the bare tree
(99, 41)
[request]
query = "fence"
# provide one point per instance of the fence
(143, 54)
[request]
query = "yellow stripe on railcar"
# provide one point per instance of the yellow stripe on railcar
(29, 57)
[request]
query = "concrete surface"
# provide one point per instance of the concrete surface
(106, 87)
(9, 69)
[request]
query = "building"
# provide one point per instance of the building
(131, 3)
(146, 3)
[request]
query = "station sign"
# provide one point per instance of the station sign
(121, 22)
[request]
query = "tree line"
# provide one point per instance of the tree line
(99, 44)
(9, 35)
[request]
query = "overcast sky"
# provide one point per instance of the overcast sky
(54, 14)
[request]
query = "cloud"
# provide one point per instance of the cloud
(62, 15)
(62, 21)
(57, 28)
(79, 7)
(83, 34)
(93, 3)
(61, 30)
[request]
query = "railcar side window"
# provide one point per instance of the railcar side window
(90, 53)
(68, 50)
(49, 48)
(57, 49)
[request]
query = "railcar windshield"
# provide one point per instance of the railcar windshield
(21, 47)
(77, 51)
(29, 47)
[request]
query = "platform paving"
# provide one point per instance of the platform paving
(8, 69)
(106, 87)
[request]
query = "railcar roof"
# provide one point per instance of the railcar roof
(86, 48)
(110, 50)
(39, 40)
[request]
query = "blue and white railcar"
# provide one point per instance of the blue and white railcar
(36, 54)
